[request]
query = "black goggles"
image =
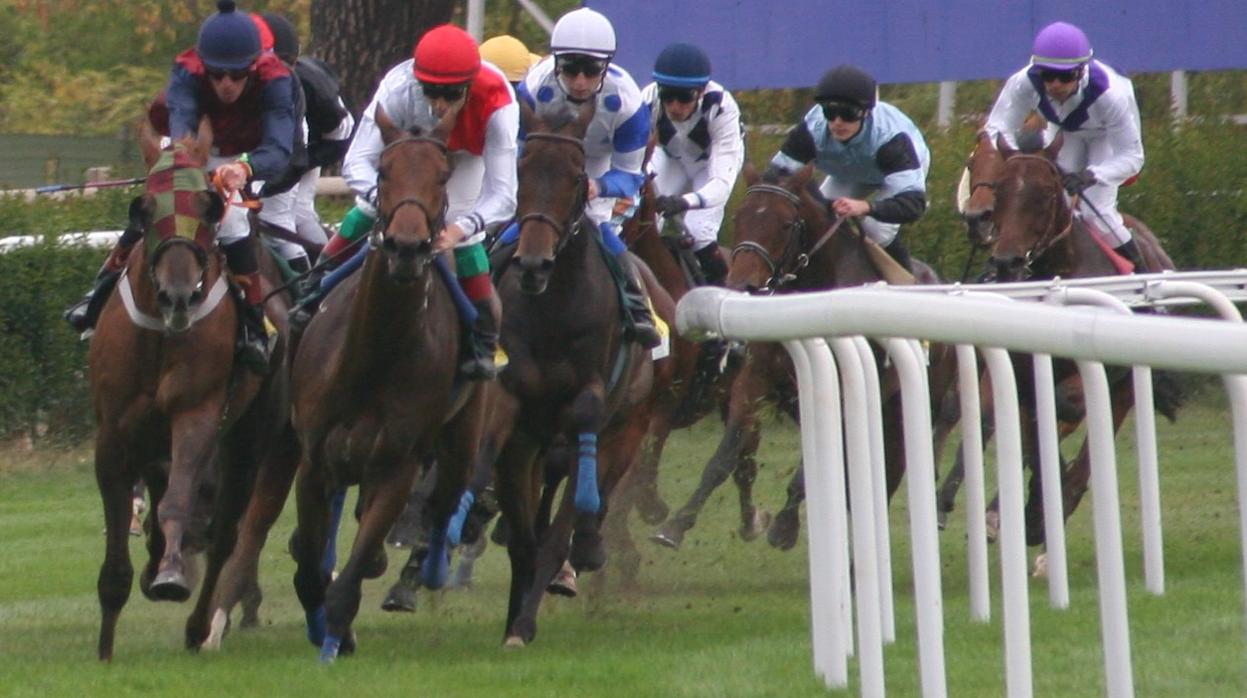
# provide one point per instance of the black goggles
(450, 93)
(580, 66)
(848, 113)
(236, 75)
(1062, 76)
(677, 94)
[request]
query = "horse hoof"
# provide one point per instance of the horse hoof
(653, 510)
(784, 530)
(376, 566)
(941, 519)
(992, 523)
(758, 523)
(170, 586)
(1040, 571)
(401, 599)
(588, 554)
(669, 537)
(514, 641)
(564, 583)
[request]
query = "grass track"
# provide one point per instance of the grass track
(718, 618)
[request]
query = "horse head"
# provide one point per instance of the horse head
(984, 165)
(411, 195)
(1032, 212)
(553, 190)
(177, 213)
(773, 223)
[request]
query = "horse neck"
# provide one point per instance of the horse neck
(385, 316)
(650, 247)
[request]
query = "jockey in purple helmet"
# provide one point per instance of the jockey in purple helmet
(1094, 107)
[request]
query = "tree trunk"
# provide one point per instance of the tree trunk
(363, 39)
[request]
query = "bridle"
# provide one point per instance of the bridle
(792, 260)
(1054, 232)
(570, 227)
(435, 221)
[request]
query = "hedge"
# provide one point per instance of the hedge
(1190, 194)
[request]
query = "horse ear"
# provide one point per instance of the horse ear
(447, 124)
(149, 143)
(529, 121)
(389, 132)
(1055, 146)
(1003, 146)
(202, 147)
(796, 183)
(750, 173)
(581, 125)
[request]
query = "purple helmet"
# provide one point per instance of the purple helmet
(1060, 46)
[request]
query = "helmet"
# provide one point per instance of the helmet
(1060, 46)
(682, 65)
(285, 37)
(446, 55)
(583, 31)
(510, 55)
(228, 40)
(847, 83)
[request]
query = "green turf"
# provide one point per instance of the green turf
(719, 618)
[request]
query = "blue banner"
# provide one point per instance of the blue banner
(790, 43)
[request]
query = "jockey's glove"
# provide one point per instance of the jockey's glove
(671, 205)
(1078, 182)
(356, 224)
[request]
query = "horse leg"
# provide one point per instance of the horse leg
(194, 436)
(786, 527)
(458, 447)
(618, 450)
(550, 554)
(239, 579)
(401, 598)
(307, 544)
(156, 478)
(644, 478)
(115, 481)
(517, 497)
(1076, 477)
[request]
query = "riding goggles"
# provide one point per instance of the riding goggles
(580, 65)
(237, 75)
(450, 93)
(848, 113)
(1062, 76)
(682, 95)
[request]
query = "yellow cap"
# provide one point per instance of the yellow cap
(510, 55)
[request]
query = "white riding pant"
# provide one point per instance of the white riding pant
(294, 211)
(882, 233)
(674, 178)
(1077, 154)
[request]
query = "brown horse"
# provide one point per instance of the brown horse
(785, 243)
(1038, 236)
(169, 397)
(572, 378)
(374, 390)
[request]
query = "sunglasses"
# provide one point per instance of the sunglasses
(450, 93)
(675, 94)
(1063, 76)
(234, 75)
(589, 69)
(844, 112)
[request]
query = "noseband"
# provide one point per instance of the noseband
(792, 260)
(569, 228)
(435, 221)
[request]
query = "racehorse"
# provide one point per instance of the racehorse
(1036, 235)
(572, 379)
(374, 389)
(172, 406)
(786, 242)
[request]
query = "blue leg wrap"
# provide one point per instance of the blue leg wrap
(330, 560)
(467, 312)
(329, 650)
(316, 626)
(454, 529)
(344, 270)
(435, 569)
(510, 235)
(610, 238)
(587, 499)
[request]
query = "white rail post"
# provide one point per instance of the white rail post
(1050, 481)
(972, 463)
(878, 463)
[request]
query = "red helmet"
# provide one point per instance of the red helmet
(446, 55)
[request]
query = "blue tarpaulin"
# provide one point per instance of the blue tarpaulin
(789, 43)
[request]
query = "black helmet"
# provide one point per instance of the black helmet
(285, 37)
(847, 83)
(682, 65)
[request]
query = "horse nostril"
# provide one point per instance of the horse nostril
(164, 299)
(389, 245)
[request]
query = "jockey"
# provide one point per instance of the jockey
(325, 126)
(875, 158)
(511, 56)
(583, 43)
(248, 97)
(1094, 107)
(701, 148)
(446, 74)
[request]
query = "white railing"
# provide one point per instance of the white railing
(1087, 321)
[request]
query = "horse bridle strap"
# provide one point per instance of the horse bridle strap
(148, 322)
(384, 218)
(778, 275)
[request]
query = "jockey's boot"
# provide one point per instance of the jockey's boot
(900, 253)
(1130, 250)
(641, 327)
(82, 315)
(480, 345)
(253, 338)
(301, 267)
(713, 268)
